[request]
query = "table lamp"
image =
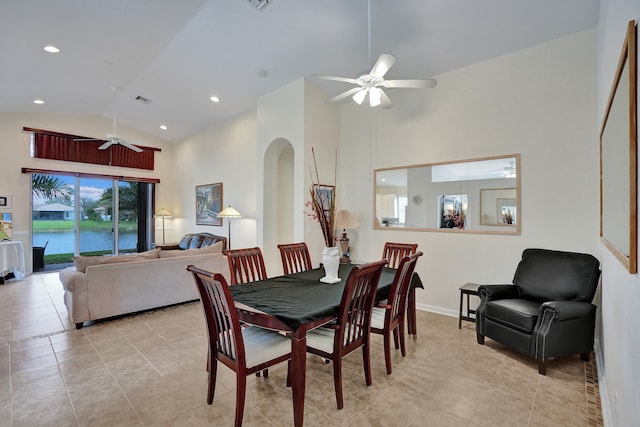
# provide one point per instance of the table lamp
(345, 220)
(229, 212)
(163, 214)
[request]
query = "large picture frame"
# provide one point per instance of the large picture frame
(618, 160)
(325, 194)
(208, 204)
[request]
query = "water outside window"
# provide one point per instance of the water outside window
(64, 204)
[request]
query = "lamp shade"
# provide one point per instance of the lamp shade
(163, 213)
(345, 220)
(229, 212)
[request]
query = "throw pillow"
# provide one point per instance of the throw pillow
(184, 242)
(213, 249)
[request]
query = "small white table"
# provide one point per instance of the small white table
(11, 260)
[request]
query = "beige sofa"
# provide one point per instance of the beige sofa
(101, 287)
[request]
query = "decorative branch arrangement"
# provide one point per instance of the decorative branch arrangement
(323, 203)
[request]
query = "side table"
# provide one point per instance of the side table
(467, 289)
(11, 260)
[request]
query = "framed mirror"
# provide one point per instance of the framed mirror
(475, 196)
(618, 160)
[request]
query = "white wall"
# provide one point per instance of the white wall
(619, 340)
(14, 155)
(224, 153)
(539, 102)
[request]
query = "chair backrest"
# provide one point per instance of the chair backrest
(354, 313)
(400, 287)
(223, 324)
(295, 257)
(547, 275)
(246, 265)
(394, 252)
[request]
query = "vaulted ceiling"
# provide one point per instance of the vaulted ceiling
(178, 53)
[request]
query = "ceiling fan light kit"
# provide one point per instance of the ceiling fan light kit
(113, 138)
(371, 84)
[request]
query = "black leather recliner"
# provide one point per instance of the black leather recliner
(547, 312)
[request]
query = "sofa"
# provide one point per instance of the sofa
(194, 241)
(102, 287)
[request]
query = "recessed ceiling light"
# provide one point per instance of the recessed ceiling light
(51, 49)
(214, 99)
(163, 127)
(38, 101)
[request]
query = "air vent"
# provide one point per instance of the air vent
(259, 4)
(143, 99)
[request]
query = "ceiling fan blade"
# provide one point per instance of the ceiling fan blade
(345, 94)
(130, 146)
(410, 84)
(107, 144)
(336, 79)
(384, 100)
(382, 65)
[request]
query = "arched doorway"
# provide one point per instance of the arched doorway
(279, 207)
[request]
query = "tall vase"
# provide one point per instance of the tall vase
(330, 262)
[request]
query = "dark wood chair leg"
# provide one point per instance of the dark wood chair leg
(396, 341)
(403, 346)
(211, 388)
(387, 351)
(585, 356)
(337, 381)
(240, 395)
(366, 359)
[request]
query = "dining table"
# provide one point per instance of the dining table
(297, 303)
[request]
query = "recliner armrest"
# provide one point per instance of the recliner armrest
(493, 292)
(567, 310)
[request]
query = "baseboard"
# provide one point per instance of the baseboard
(437, 310)
(602, 386)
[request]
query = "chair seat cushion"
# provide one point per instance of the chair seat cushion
(519, 314)
(322, 338)
(261, 345)
(377, 317)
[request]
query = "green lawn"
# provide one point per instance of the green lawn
(61, 225)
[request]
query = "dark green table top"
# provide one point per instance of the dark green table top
(300, 298)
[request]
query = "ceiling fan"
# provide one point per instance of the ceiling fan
(373, 83)
(508, 172)
(114, 138)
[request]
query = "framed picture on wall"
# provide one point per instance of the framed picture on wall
(208, 204)
(5, 201)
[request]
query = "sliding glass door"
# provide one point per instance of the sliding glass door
(96, 221)
(128, 217)
(89, 215)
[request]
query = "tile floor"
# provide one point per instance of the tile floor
(149, 369)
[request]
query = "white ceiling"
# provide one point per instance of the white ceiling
(178, 53)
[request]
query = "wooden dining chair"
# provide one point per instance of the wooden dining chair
(246, 265)
(295, 257)
(394, 252)
(351, 330)
(245, 350)
(390, 316)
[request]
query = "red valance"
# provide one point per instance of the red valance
(74, 148)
